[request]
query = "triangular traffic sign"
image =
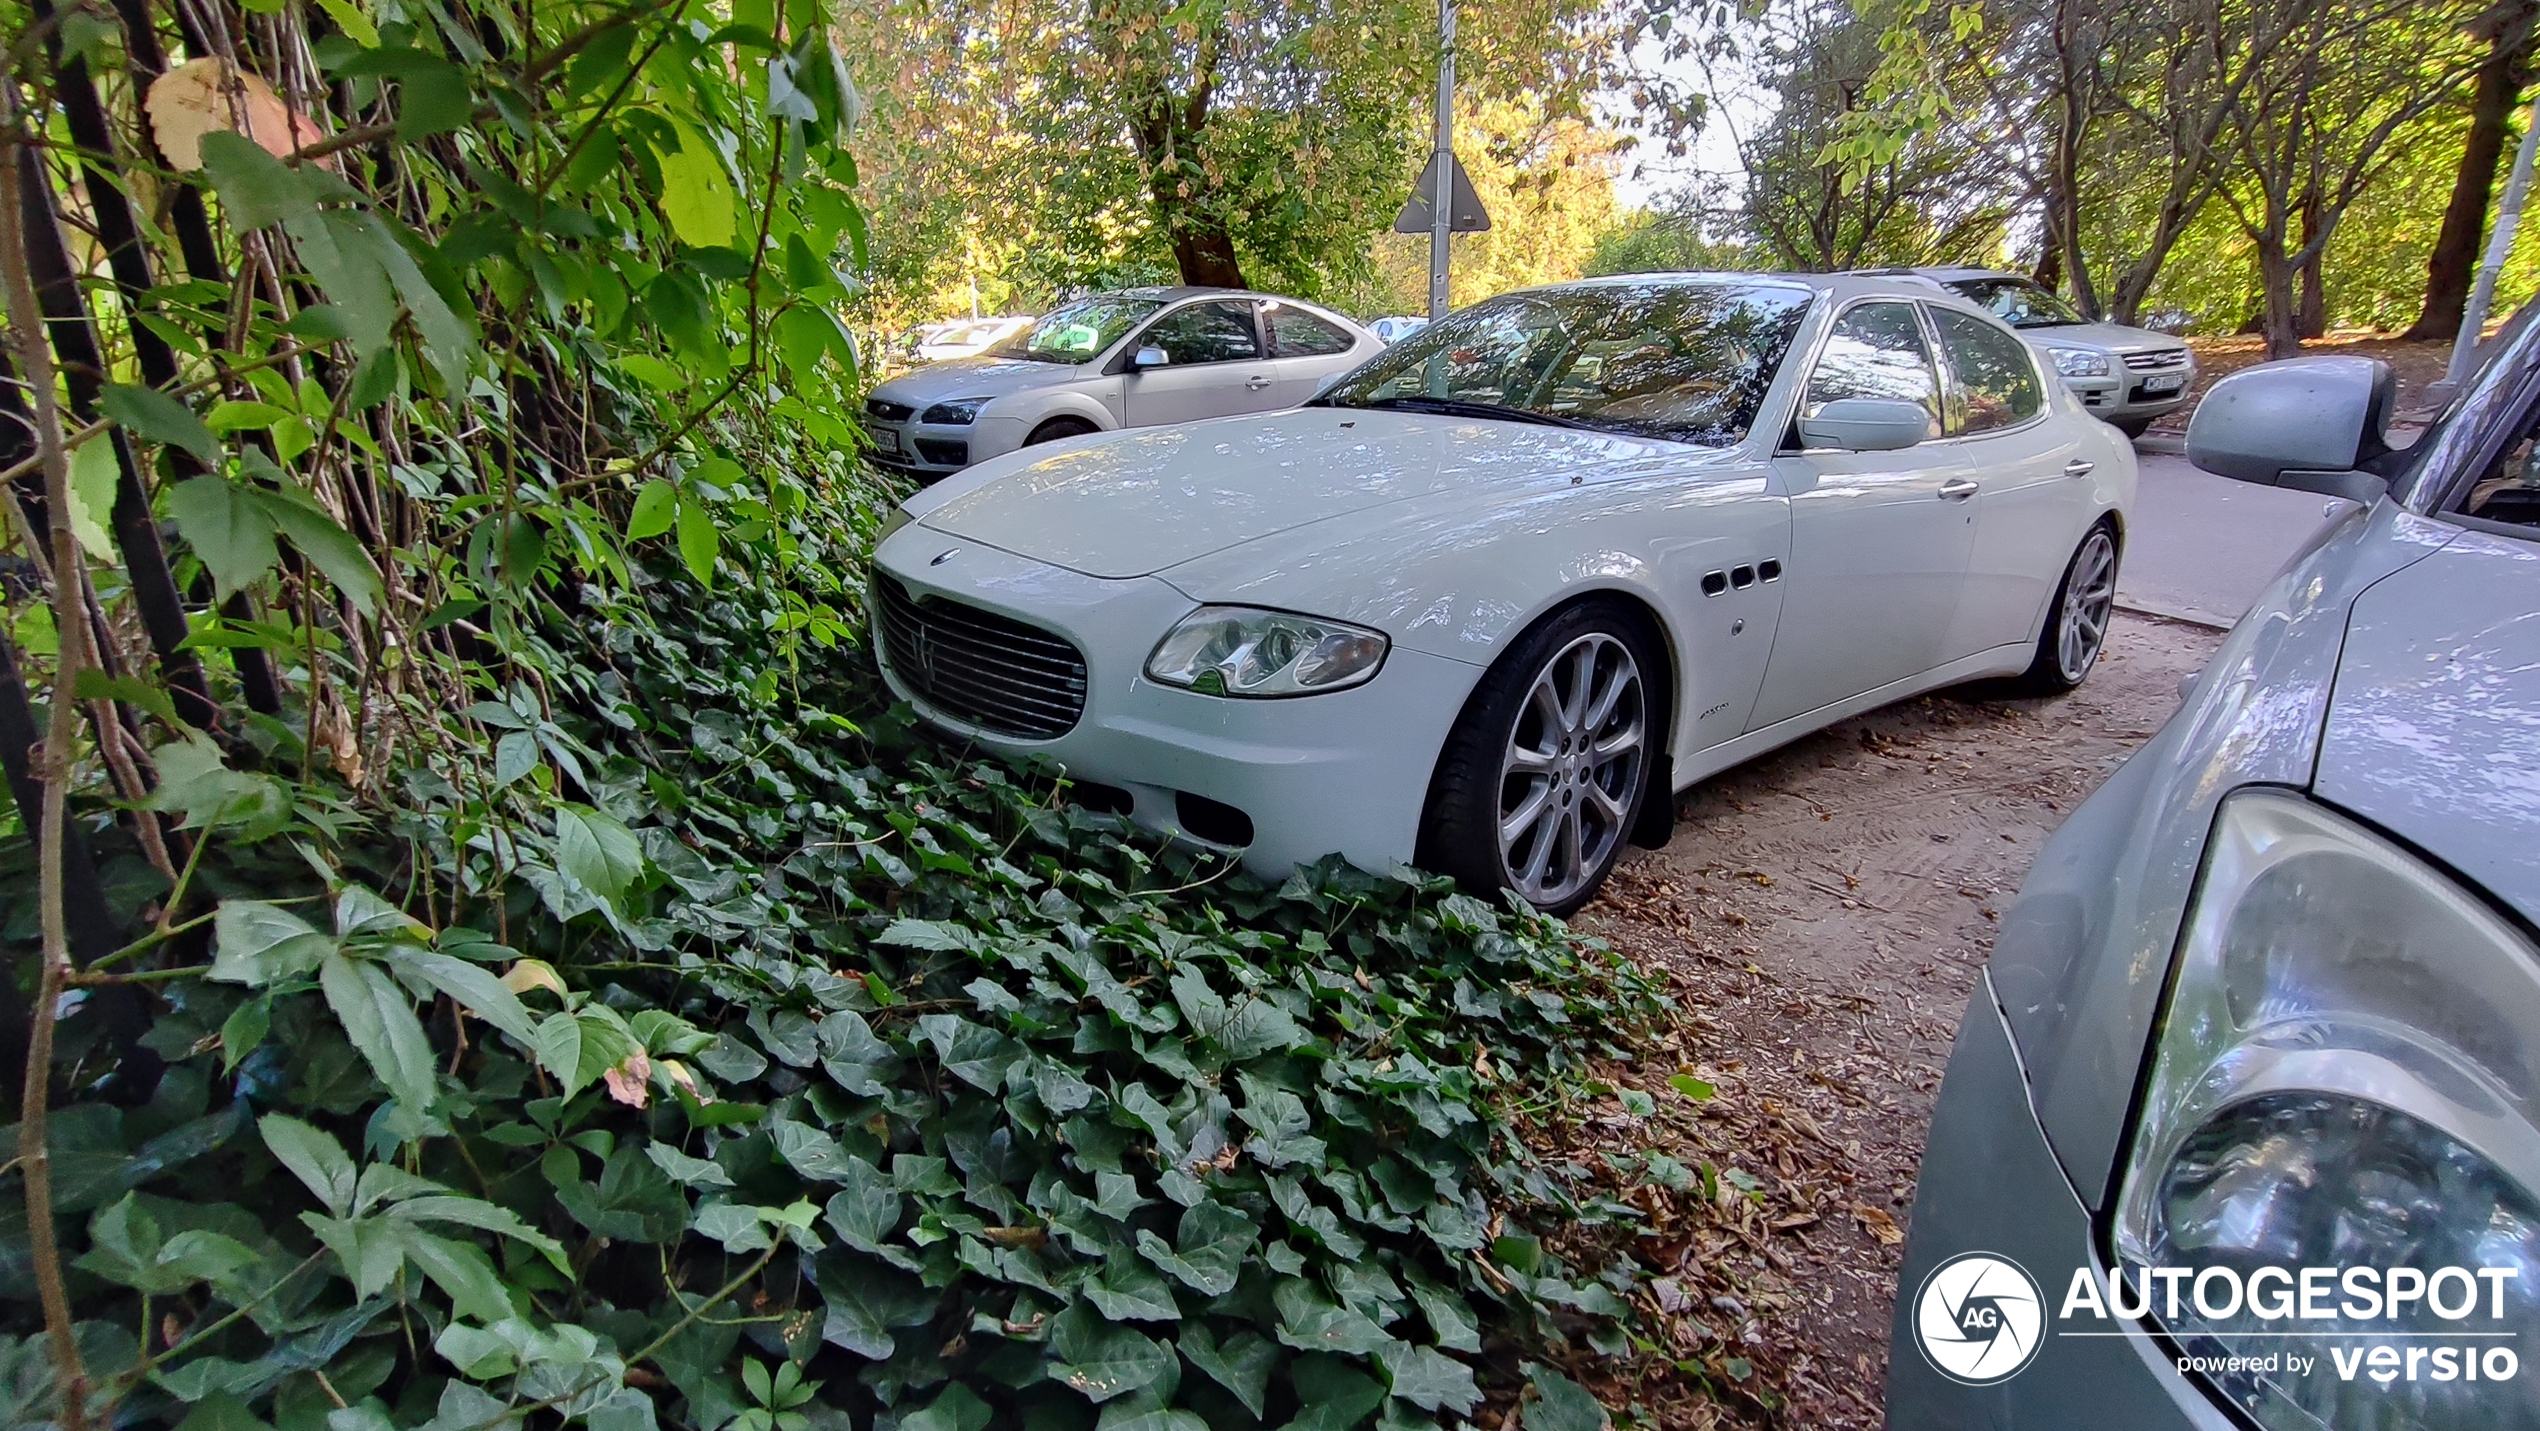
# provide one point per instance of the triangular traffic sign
(1465, 214)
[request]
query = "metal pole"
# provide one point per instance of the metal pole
(1442, 194)
(2500, 246)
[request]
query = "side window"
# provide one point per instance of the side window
(1876, 351)
(1205, 333)
(1995, 373)
(1295, 333)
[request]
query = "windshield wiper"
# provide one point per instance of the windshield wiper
(1456, 407)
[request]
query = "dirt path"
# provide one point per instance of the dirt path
(1822, 914)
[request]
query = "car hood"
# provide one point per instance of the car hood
(2433, 731)
(979, 377)
(1141, 501)
(2108, 337)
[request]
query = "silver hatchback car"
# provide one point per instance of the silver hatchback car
(1142, 357)
(2242, 1127)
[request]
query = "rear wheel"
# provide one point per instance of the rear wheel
(1543, 775)
(1058, 429)
(2077, 621)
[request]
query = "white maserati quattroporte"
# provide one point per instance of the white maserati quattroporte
(1487, 602)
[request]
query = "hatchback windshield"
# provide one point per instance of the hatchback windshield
(1684, 361)
(1079, 331)
(2018, 302)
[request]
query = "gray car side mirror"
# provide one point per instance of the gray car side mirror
(1150, 356)
(2304, 423)
(1866, 425)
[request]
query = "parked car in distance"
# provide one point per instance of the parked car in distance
(2128, 377)
(2267, 1011)
(967, 338)
(1394, 330)
(1136, 358)
(1487, 603)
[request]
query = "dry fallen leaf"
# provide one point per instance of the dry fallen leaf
(627, 1081)
(1878, 1224)
(208, 96)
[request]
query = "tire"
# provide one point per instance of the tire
(1059, 429)
(2076, 627)
(2132, 427)
(1553, 750)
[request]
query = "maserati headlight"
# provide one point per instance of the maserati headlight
(1245, 651)
(895, 519)
(2079, 362)
(958, 412)
(2330, 1199)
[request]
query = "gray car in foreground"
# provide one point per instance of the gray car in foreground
(2242, 1127)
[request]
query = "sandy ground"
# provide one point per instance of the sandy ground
(1822, 914)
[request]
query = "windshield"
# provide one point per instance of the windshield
(1683, 361)
(1079, 331)
(2018, 302)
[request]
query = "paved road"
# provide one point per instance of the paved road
(2202, 547)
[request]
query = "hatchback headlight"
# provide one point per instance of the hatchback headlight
(2079, 362)
(2341, 1116)
(1245, 651)
(958, 412)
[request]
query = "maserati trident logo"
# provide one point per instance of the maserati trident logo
(948, 554)
(1979, 1318)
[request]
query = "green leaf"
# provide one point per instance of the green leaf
(314, 1158)
(1309, 1321)
(227, 527)
(654, 509)
(1450, 1318)
(151, 414)
(957, 1409)
(243, 1032)
(1214, 1238)
(653, 373)
(484, 1216)
(698, 540)
(694, 1172)
(256, 189)
(463, 1271)
(578, 1047)
(257, 944)
(1691, 1087)
(1242, 1363)
(976, 1055)
(1103, 1360)
(1127, 1290)
(94, 472)
(598, 852)
(328, 547)
(222, 1411)
(381, 1022)
(515, 755)
(696, 196)
(1139, 1415)
(867, 1211)
(1562, 1405)
(340, 255)
(1428, 1378)
(349, 19)
(432, 98)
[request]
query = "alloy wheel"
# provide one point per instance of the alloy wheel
(1576, 755)
(2090, 595)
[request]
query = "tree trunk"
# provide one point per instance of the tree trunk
(1204, 251)
(2282, 320)
(2453, 265)
(2311, 315)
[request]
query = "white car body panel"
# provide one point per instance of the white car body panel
(1451, 535)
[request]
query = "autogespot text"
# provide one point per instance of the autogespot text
(2315, 1302)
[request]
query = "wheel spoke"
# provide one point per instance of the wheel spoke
(1514, 824)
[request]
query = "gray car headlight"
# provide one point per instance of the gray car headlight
(2079, 362)
(1246, 651)
(957, 412)
(2337, 1142)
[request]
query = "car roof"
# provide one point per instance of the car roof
(1858, 283)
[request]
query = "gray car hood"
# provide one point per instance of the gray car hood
(980, 377)
(1140, 501)
(2108, 337)
(2433, 730)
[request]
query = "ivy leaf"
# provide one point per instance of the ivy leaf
(313, 1157)
(654, 507)
(1241, 1364)
(976, 1055)
(1139, 1415)
(1428, 1378)
(1309, 1321)
(258, 944)
(380, 1021)
(1562, 1405)
(866, 1211)
(579, 1046)
(1127, 1290)
(1213, 1240)
(695, 1172)
(1101, 1359)
(227, 527)
(150, 413)
(958, 1409)
(698, 540)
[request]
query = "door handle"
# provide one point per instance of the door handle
(1256, 382)
(1957, 489)
(2079, 468)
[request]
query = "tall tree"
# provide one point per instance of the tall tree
(2510, 29)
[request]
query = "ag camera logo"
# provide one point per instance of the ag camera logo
(1979, 1319)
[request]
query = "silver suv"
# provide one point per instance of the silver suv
(2125, 376)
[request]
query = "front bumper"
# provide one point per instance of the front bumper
(1989, 1183)
(930, 451)
(1347, 771)
(2126, 393)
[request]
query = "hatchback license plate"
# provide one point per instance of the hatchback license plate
(885, 440)
(2166, 383)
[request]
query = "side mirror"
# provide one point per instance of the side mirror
(1149, 356)
(2304, 423)
(1866, 425)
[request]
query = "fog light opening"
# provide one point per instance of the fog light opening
(1214, 821)
(1096, 798)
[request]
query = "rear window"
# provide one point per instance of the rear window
(1997, 379)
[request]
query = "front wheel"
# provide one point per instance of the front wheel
(1059, 429)
(2077, 621)
(2132, 427)
(1543, 775)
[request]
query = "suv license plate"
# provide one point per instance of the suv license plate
(2166, 383)
(885, 440)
